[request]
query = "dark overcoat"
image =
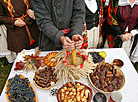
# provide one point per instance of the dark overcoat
(17, 37)
(53, 16)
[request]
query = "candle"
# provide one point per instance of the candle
(74, 56)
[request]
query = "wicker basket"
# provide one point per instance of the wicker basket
(65, 85)
(119, 70)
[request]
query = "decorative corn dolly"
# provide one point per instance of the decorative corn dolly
(65, 71)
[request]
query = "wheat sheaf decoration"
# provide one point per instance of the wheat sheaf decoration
(65, 70)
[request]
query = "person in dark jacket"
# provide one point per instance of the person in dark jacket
(22, 30)
(60, 21)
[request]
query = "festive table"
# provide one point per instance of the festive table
(129, 91)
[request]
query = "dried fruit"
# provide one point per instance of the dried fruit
(107, 77)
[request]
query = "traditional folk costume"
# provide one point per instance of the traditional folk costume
(4, 52)
(94, 21)
(19, 38)
(134, 55)
(122, 17)
(58, 18)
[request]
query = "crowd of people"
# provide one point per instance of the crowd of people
(58, 24)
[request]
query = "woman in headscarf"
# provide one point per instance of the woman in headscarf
(22, 30)
(122, 19)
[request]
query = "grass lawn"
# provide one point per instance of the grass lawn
(4, 73)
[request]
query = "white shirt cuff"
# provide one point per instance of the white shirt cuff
(134, 32)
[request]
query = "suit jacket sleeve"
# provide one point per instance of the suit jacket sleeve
(3, 18)
(45, 23)
(78, 18)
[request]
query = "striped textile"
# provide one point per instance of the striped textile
(9, 7)
(27, 4)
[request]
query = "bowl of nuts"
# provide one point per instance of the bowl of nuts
(77, 92)
(107, 78)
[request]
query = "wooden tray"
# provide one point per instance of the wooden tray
(90, 95)
(30, 85)
(119, 70)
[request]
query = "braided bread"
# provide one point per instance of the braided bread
(48, 61)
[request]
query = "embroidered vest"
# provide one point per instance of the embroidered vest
(92, 19)
(127, 17)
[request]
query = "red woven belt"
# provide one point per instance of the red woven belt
(65, 31)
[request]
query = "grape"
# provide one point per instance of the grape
(19, 90)
(96, 57)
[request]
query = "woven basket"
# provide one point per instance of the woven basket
(119, 70)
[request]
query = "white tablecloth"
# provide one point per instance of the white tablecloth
(129, 91)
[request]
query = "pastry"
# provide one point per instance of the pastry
(45, 78)
(74, 93)
(48, 59)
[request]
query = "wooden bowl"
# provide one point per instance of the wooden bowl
(30, 85)
(46, 87)
(65, 85)
(118, 70)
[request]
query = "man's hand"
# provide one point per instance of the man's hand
(67, 43)
(31, 13)
(78, 41)
(19, 22)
